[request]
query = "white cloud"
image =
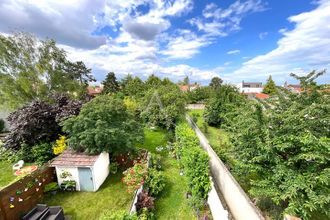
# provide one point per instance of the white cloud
(306, 47)
(233, 52)
(262, 35)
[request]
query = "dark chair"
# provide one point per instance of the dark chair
(53, 213)
(36, 213)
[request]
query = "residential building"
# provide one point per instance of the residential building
(295, 88)
(190, 87)
(250, 87)
(94, 90)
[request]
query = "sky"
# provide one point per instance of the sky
(234, 40)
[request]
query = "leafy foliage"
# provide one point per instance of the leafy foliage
(42, 153)
(60, 145)
(199, 95)
(270, 87)
(163, 107)
(144, 201)
(103, 124)
(195, 163)
(118, 215)
(38, 122)
(216, 82)
(110, 84)
(224, 101)
(287, 149)
(31, 69)
(155, 182)
(134, 177)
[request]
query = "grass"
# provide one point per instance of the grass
(171, 204)
(6, 174)
(111, 196)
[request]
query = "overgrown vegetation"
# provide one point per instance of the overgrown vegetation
(195, 164)
(281, 147)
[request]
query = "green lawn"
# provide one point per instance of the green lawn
(90, 205)
(6, 173)
(171, 204)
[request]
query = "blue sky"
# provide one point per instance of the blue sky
(235, 40)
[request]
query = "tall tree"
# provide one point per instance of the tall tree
(80, 72)
(153, 81)
(270, 87)
(32, 69)
(110, 83)
(186, 81)
(216, 82)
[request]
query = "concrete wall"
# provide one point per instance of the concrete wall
(236, 199)
(74, 173)
(100, 170)
(216, 207)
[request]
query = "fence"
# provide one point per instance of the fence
(238, 202)
(21, 196)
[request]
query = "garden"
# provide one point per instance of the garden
(274, 147)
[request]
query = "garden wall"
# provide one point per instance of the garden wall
(21, 196)
(238, 202)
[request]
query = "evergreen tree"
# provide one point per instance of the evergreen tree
(216, 82)
(110, 83)
(270, 87)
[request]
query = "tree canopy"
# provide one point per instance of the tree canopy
(216, 82)
(270, 87)
(104, 124)
(110, 83)
(33, 69)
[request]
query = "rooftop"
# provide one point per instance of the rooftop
(75, 159)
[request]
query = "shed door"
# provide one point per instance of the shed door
(85, 179)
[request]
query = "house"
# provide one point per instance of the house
(295, 88)
(88, 171)
(190, 87)
(94, 90)
(250, 87)
(257, 95)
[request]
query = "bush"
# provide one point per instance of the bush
(135, 176)
(2, 125)
(155, 161)
(42, 153)
(60, 145)
(144, 201)
(195, 163)
(155, 182)
(50, 187)
(117, 215)
(113, 168)
(195, 117)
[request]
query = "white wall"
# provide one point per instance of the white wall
(74, 173)
(248, 90)
(100, 170)
(216, 207)
(236, 199)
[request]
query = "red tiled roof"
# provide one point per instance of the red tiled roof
(70, 158)
(94, 90)
(184, 88)
(262, 96)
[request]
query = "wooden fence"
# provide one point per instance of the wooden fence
(20, 197)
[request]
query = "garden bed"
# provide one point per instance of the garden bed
(171, 203)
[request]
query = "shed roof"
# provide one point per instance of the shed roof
(70, 158)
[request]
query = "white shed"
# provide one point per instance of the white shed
(89, 171)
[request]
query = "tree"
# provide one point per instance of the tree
(80, 72)
(287, 151)
(38, 122)
(216, 82)
(163, 106)
(186, 81)
(223, 101)
(104, 124)
(270, 87)
(153, 81)
(135, 87)
(110, 84)
(199, 95)
(31, 69)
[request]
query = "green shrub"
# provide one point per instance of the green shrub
(155, 182)
(50, 187)
(2, 125)
(155, 161)
(42, 153)
(195, 163)
(113, 167)
(117, 215)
